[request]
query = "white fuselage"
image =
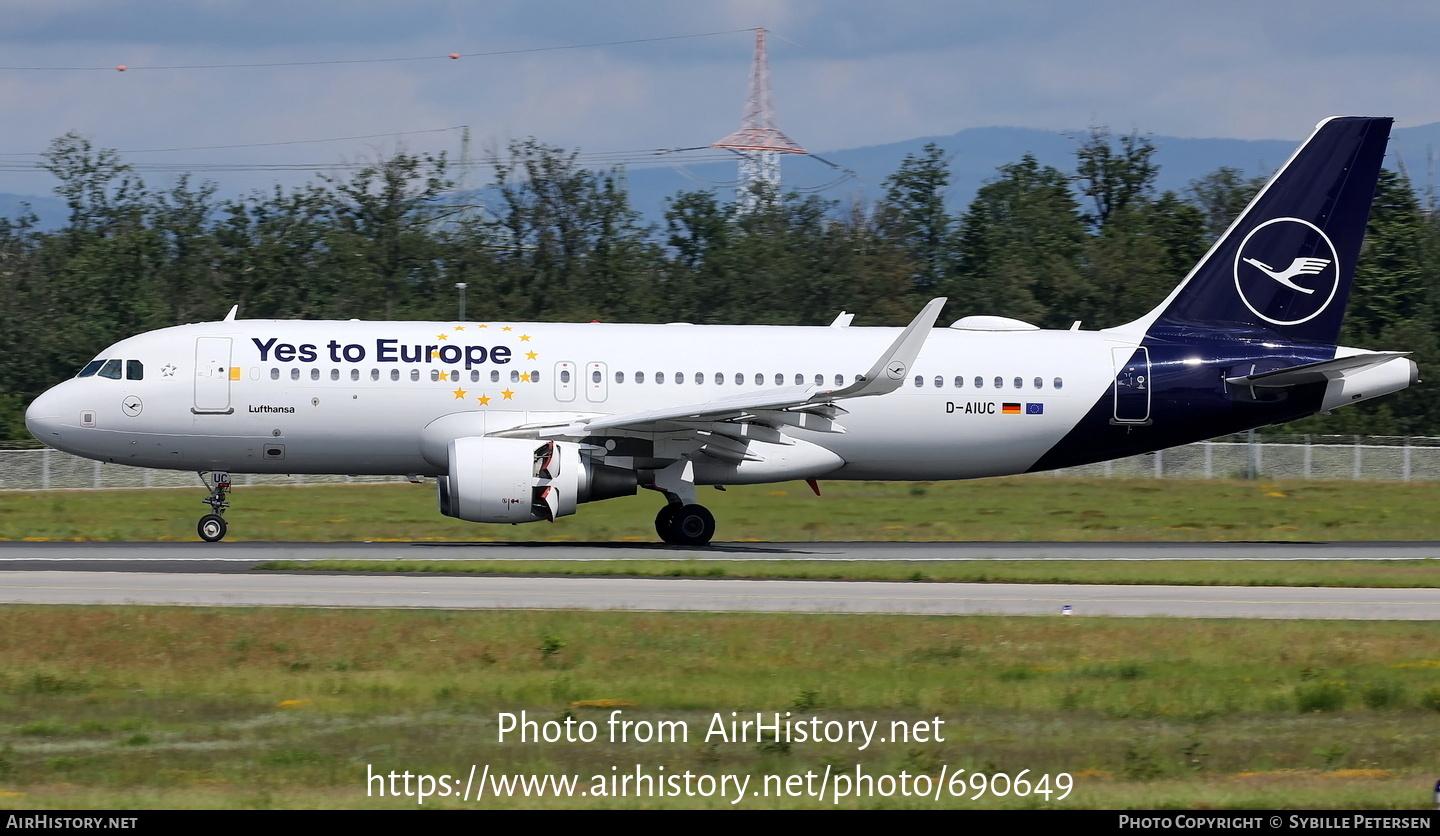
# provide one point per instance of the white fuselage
(354, 397)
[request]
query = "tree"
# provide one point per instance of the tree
(567, 240)
(1020, 246)
(383, 218)
(1115, 177)
(914, 213)
(1221, 195)
(1390, 278)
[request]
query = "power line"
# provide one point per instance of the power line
(447, 57)
(259, 144)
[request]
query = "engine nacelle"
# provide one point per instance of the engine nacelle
(516, 480)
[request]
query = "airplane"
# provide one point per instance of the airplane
(523, 422)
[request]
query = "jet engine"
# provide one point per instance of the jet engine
(515, 480)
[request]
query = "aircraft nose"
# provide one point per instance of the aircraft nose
(43, 418)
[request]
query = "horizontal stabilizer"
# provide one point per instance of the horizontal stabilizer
(1316, 372)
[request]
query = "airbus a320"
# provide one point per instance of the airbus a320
(524, 422)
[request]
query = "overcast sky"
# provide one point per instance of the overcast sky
(845, 73)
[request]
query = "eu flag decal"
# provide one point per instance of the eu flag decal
(1034, 409)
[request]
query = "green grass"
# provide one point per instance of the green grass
(1019, 508)
(138, 707)
(1392, 574)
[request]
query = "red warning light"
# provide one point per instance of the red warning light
(122, 68)
(454, 55)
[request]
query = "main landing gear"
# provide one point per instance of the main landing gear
(682, 522)
(212, 526)
(685, 525)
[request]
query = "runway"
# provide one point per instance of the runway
(222, 575)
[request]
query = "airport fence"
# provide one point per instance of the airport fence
(1232, 457)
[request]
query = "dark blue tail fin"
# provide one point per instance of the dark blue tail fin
(1284, 267)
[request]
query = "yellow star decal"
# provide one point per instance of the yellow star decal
(459, 394)
(530, 355)
(482, 325)
(508, 395)
(442, 336)
(432, 354)
(459, 327)
(484, 400)
(507, 328)
(524, 338)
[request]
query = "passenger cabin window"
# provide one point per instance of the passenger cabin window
(111, 369)
(979, 382)
(939, 381)
(799, 379)
(595, 376)
(274, 374)
(294, 374)
(1039, 384)
(1019, 383)
(355, 374)
(394, 374)
(759, 379)
(1059, 384)
(134, 370)
(699, 378)
(334, 374)
(619, 377)
(91, 368)
(474, 375)
(314, 374)
(415, 374)
(564, 375)
(739, 378)
(719, 378)
(659, 377)
(959, 382)
(679, 377)
(374, 374)
(999, 382)
(639, 377)
(534, 375)
(494, 375)
(919, 381)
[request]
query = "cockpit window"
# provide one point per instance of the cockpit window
(134, 370)
(91, 368)
(111, 369)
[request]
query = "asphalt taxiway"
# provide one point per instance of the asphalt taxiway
(676, 594)
(223, 574)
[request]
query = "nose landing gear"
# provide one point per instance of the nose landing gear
(212, 526)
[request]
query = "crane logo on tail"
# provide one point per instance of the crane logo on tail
(1305, 280)
(1298, 267)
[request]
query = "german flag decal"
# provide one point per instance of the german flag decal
(1010, 409)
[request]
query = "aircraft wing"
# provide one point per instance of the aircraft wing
(808, 407)
(1316, 372)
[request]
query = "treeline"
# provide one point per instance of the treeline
(551, 240)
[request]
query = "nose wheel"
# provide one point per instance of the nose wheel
(212, 527)
(685, 525)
